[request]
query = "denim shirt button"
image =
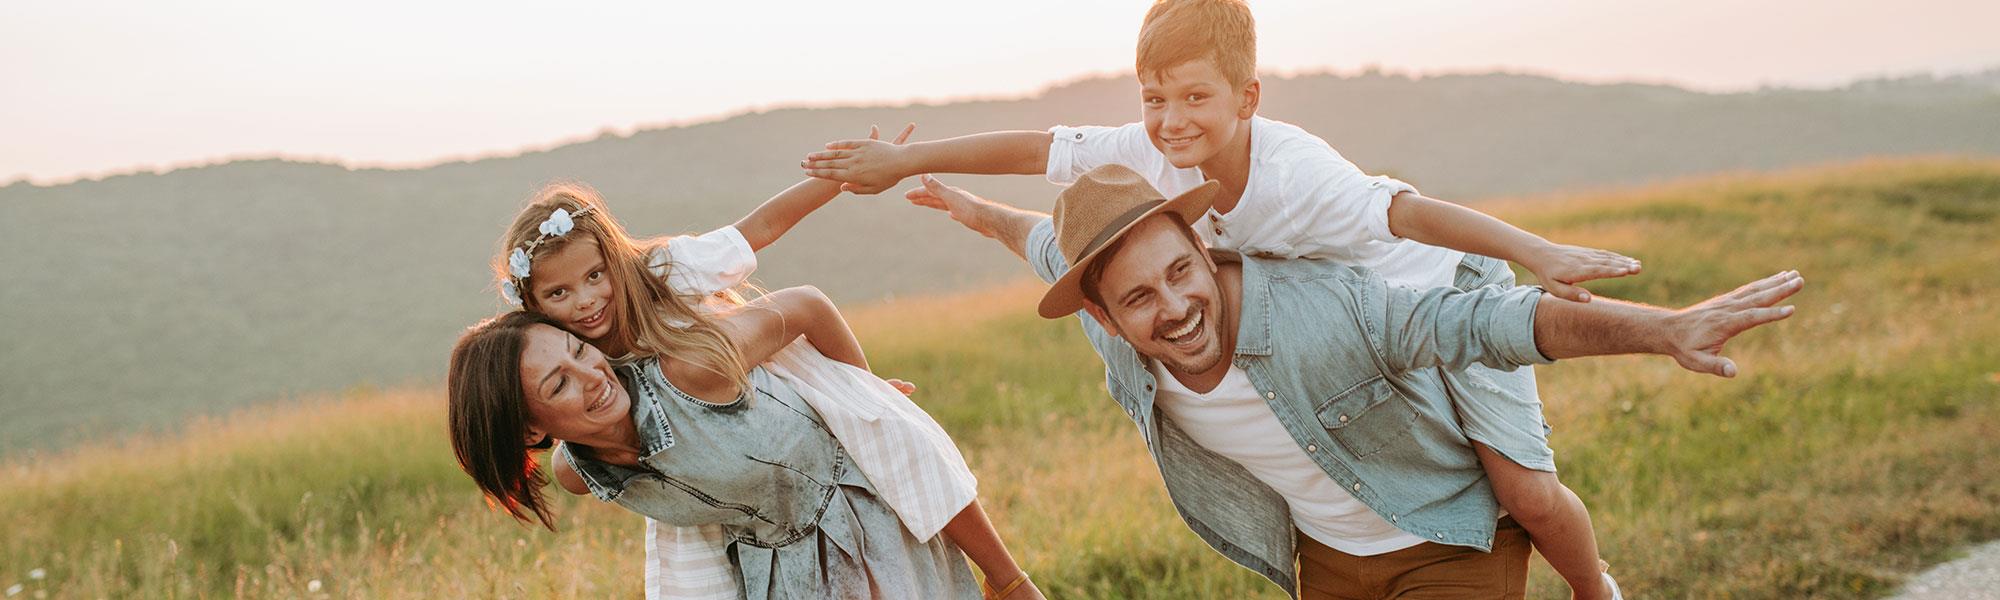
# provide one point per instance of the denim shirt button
(1270, 395)
(1439, 535)
(1312, 448)
(1392, 517)
(1357, 486)
(1343, 418)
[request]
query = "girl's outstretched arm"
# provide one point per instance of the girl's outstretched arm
(766, 325)
(776, 216)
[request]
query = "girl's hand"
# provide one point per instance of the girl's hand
(905, 387)
(1559, 267)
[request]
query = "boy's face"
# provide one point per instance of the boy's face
(1192, 113)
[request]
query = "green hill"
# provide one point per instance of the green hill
(1856, 447)
(137, 300)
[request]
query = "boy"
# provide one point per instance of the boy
(1285, 192)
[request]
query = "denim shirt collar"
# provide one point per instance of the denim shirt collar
(606, 481)
(1253, 322)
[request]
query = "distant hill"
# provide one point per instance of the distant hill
(135, 300)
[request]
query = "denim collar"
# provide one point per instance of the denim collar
(606, 481)
(1253, 319)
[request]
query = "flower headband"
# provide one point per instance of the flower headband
(521, 259)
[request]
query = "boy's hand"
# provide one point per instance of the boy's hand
(905, 387)
(1559, 267)
(864, 167)
(1696, 333)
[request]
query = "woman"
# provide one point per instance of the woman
(676, 443)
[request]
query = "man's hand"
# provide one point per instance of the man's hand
(864, 167)
(1559, 267)
(1696, 333)
(905, 387)
(1005, 224)
(962, 205)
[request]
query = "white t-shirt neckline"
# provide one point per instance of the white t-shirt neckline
(1234, 421)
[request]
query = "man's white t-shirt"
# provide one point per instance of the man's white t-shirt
(1302, 200)
(1232, 420)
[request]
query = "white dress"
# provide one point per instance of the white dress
(913, 465)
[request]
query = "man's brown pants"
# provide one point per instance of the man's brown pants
(1420, 572)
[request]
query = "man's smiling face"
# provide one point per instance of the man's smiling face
(1159, 293)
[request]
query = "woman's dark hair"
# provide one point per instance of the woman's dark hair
(488, 415)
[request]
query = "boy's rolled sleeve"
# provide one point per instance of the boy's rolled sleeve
(1380, 190)
(1043, 254)
(1074, 151)
(1337, 210)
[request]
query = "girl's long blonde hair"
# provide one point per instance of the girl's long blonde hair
(648, 309)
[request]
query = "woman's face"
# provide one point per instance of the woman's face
(572, 392)
(573, 285)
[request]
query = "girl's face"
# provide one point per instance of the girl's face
(572, 392)
(573, 285)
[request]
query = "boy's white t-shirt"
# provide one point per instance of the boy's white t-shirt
(1234, 421)
(1302, 200)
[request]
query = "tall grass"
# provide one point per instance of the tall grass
(1856, 447)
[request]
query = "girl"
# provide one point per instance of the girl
(567, 259)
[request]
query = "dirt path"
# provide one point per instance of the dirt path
(1975, 577)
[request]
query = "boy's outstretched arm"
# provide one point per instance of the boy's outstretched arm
(770, 220)
(871, 166)
(1559, 267)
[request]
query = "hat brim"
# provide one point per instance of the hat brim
(1066, 296)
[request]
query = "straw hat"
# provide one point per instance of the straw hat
(1099, 208)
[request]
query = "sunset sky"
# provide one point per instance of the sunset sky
(95, 87)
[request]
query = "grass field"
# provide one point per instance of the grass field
(1857, 446)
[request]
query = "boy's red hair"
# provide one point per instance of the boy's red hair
(1177, 32)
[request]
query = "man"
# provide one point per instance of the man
(1295, 407)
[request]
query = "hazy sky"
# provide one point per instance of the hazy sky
(90, 86)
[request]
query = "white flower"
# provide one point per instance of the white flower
(14, 590)
(512, 293)
(518, 263)
(312, 586)
(38, 574)
(558, 224)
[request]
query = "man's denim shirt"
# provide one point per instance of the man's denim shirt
(1348, 364)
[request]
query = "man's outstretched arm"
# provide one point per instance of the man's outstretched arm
(1503, 328)
(1008, 225)
(1693, 336)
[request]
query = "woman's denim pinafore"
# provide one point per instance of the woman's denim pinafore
(802, 521)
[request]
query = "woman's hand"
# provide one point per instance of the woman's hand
(905, 387)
